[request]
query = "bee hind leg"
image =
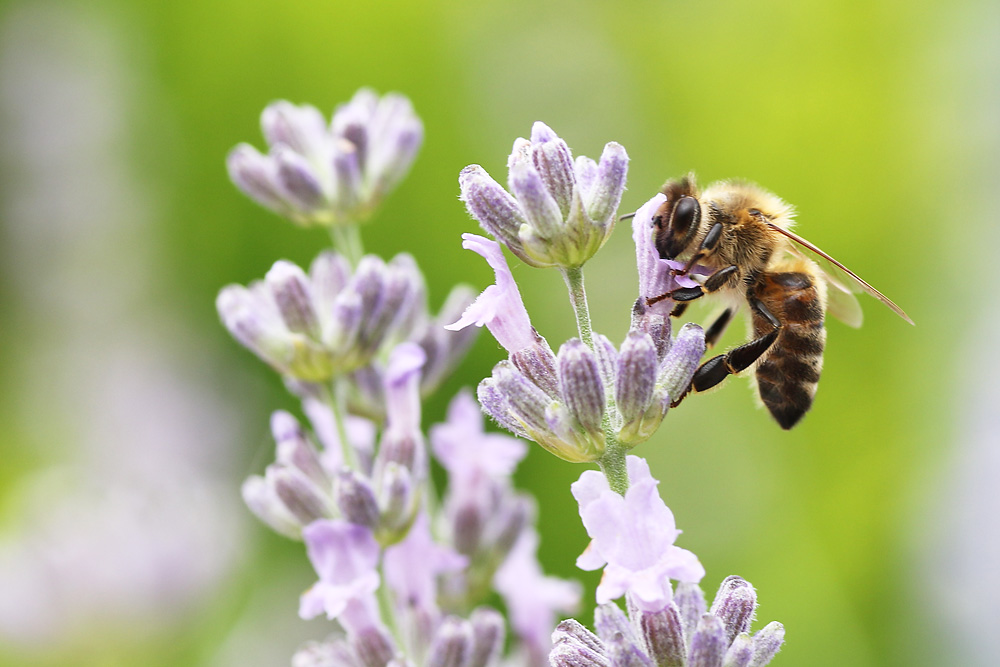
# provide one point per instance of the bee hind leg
(716, 369)
(718, 326)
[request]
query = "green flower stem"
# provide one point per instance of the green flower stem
(386, 608)
(613, 464)
(578, 297)
(347, 241)
(334, 398)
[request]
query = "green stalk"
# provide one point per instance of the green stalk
(347, 241)
(334, 398)
(578, 298)
(613, 463)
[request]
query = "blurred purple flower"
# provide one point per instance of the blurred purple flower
(467, 452)
(320, 175)
(412, 567)
(633, 538)
(533, 600)
(344, 556)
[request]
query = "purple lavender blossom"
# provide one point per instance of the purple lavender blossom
(344, 556)
(633, 538)
(320, 175)
(561, 212)
(467, 451)
(533, 600)
(412, 567)
(499, 307)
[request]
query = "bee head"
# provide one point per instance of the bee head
(678, 218)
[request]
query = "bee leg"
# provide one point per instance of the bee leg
(718, 326)
(707, 245)
(715, 282)
(716, 369)
(678, 310)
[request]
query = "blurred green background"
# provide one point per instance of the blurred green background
(870, 530)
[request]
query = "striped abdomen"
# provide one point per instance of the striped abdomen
(788, 375)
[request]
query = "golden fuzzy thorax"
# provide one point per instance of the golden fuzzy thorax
(744, 210)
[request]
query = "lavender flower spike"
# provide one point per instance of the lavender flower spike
(499, 307)
(643, 559)
(681, 634)
(320, 175)
(561, 211)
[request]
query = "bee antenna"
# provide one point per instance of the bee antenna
(626, 216)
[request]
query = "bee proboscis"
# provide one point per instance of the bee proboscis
(741, 235)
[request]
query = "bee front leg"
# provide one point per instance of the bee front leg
(715, 282)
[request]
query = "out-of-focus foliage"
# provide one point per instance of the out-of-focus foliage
(877, 121)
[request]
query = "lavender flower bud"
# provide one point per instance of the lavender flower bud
(607, 361)
(609, 621)
(325, 654)
(497, 211)
(601, 199)
(690, 602)
(452, 644)
(262, 500)
(302, 498)
(292, 294)
(356, 499)
(299, 182)
(637, 368)
(663, 633)
(538, 364)
(467, 528)
(654, 324)
(682, 360)
(740, 652)
(257, 176)
(496, 405)
(576, 646)
(735, 604)
(373, 646)
(295, 450)
(624, 653)
(317, 175)
(514, 516)
(526, 401)
(396, 497)
(445, 348)
(300, 128)
(582, 388)
(487, 637)
(552, 220)
(766, 643)
(539, 206)
(708, 646)
(554, 162)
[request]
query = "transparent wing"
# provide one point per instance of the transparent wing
(843, 281)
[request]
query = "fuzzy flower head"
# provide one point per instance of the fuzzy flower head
(559, 212)
(632, 537)
(320, 174)
(684, 632)
(328, 322)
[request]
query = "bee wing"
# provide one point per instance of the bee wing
(843, 281)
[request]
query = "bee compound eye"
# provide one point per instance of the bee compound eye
(685, 213)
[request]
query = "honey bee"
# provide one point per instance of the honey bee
(740, 234)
